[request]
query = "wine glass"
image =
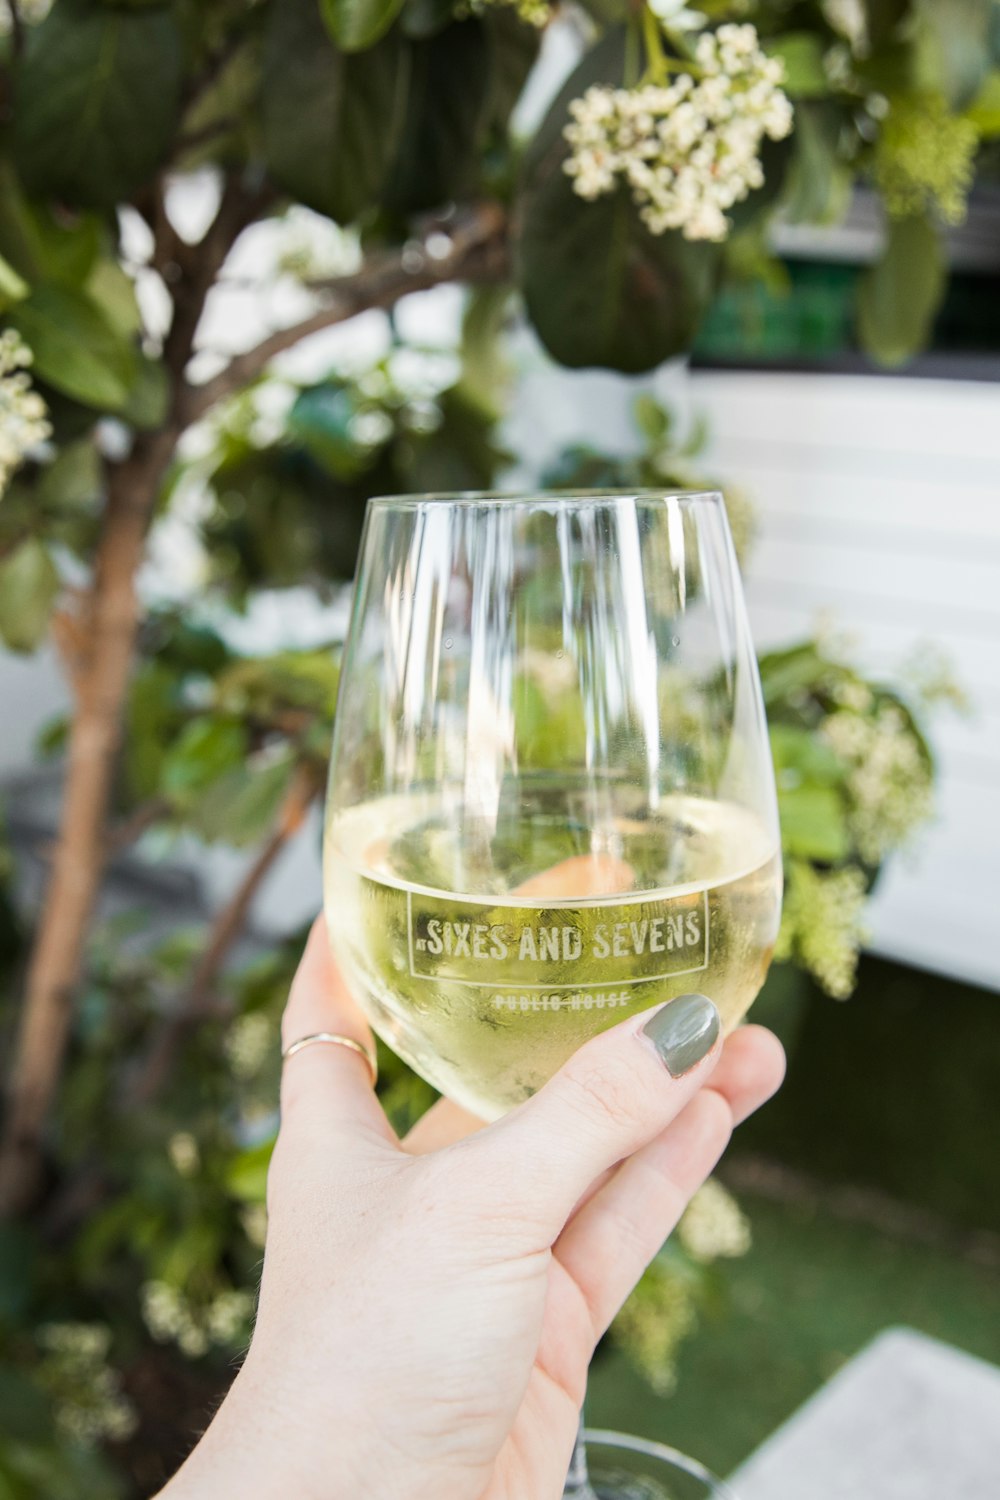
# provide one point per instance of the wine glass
(631, 1468)
(551, 800)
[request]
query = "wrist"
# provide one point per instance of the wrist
(262, 1448)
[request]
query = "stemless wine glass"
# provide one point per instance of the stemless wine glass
(630, 1468)
(551, 799)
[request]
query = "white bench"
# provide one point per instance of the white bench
(908, 1419)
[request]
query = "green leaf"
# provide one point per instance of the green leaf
(356, 24)
(952, 47)
(486, 370)
(43, 245)
(984, 111)
(814, 185)
(462, 454)
(813, 823)
(790, 673)
(19, 1251)
(246, 1175)
(96, 101)
(113, 291)
(219, 120)
(445, 108)
(27, 1412)
(599, 288)
(149, 398)
(330, 121)
(899, 296)
(151, 719)
(76, 349)
(29, 584)
(207, 749)
(240, 808)
(514, 48)
(653, 420)
(322, 421)
(72, 480)
(13, 288)
(883, 18)
(802, 54)
(266, 687)
(550, 732)
(800, 755)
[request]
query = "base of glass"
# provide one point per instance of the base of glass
(622, 1467)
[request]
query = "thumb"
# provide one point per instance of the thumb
(620, 1090)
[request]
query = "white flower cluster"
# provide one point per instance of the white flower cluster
(254, 1221)
(171, 1318)
(185, 1158)
(714, 1226)
(889, 780)
(822, 923)
(688, 150)
(90, 1405)
(249, 1042)
(23, 417)
(656, 1320)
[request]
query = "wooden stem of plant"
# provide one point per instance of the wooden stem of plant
(201, 1001)
(79, 852)
(109, 625)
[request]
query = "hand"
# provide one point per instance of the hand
(428, 1309)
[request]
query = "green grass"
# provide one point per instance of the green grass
(897, 1090)
(809, 1295)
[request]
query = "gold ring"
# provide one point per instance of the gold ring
(338, 1041)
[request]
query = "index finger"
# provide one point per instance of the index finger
(326, 1087)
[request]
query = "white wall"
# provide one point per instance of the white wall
(879, 502)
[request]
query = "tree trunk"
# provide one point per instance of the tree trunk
(95, 735)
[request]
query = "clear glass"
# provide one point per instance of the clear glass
(629, 1468)
(551, 793)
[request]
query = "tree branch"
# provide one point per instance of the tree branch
(107, 643)
(477, 251)
(201, 1003)
(238, 206)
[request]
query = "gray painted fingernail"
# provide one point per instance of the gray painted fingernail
(684, 1031)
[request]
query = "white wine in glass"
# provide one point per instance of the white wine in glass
(551, 796)
(551, 799)
(487, 994)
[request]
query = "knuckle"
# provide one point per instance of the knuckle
(718, 1114)
(609, 1096)
(635, 1241)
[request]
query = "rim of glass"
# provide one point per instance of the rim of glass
(601, 1437)
(525, 499)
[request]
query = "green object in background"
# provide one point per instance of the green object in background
(813, 319)
(896, 1091)
(810, 1294)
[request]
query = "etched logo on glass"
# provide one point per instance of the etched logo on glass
(586, 947)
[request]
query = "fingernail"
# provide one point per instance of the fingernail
(684, 1031)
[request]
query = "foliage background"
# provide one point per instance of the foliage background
(139, 1105)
